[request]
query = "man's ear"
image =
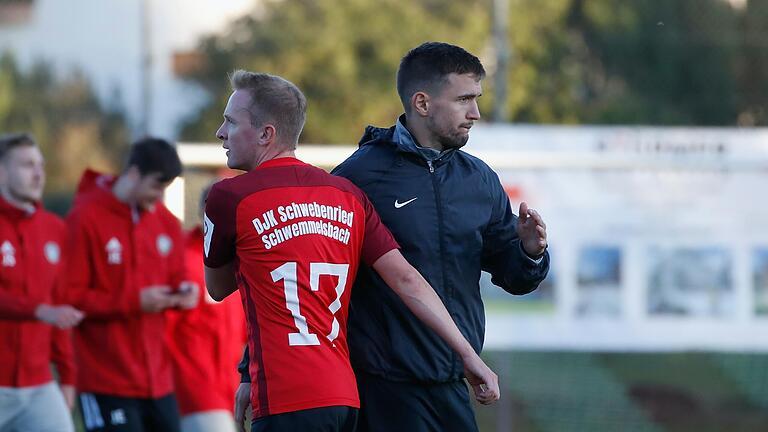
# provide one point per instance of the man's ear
(420, 103)
(267, 134)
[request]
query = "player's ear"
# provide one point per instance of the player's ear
(267, 134)
(420, 103)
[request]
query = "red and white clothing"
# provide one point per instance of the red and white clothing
(206, 342)
(31, 261)
(296, 235)
(114, 252)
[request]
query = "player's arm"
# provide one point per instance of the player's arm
(243, 392)
(219, 242)
(185, 291)
(14, 308)
(220, 281)
(422, 300)
(514, 249)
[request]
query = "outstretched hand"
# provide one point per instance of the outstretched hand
(532, 231)
(484, 382)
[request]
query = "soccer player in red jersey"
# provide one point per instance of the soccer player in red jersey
(205, 343)
(290, 237)
(31, 259)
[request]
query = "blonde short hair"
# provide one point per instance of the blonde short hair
(273, 99)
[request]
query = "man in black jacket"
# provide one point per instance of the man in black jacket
(452, 218)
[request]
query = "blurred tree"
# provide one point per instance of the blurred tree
(753, 65)
(618, 62)
(342, 53)
(72, 128)
(687, 62)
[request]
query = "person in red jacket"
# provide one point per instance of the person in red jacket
(31, 257)
(205, 343)
(126, 267)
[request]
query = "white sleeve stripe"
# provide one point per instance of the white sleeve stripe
(87, 416)
(91, 414)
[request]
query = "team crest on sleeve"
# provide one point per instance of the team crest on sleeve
(9, 254)
(207, 234)
(52, 252)
(114, 251)
(164, 244)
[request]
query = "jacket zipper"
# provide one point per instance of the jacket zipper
(441, 243)
(135, 219)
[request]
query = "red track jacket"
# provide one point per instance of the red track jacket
(30, 261)
(119, 348)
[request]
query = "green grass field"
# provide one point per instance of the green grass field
(626, 392)
(676, 392)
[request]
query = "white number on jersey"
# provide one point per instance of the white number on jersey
(287, 273)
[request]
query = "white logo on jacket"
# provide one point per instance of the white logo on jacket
(164, 244)
(52, 252)
(403, 204)
(9, 254)
(114, 251)
(207, 234)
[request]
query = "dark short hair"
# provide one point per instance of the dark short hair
(9, 142)
(427, 66)
(273, 99)
(155, 156)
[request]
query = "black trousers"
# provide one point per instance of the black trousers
(391, 406)
(325, 419)
(105, 413)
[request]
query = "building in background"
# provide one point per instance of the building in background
(105, 40)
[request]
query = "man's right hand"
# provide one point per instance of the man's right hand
(62, 316)
(484, 382)
(157, 298)
(242, 405)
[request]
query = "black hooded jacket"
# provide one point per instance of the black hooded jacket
(452, 219)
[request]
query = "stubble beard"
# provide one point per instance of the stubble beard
(447, 139)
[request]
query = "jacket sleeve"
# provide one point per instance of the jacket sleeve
(62, 355)
(16, 308)
(79, 278)
(503, 255)
(242, 367)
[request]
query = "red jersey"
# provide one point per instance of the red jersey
(114, 252)
(31, 254)
(206, 342)
(296, 235)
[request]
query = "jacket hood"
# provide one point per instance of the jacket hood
(95, 186)
(92, 182)
(387, 136)
(373, 133)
